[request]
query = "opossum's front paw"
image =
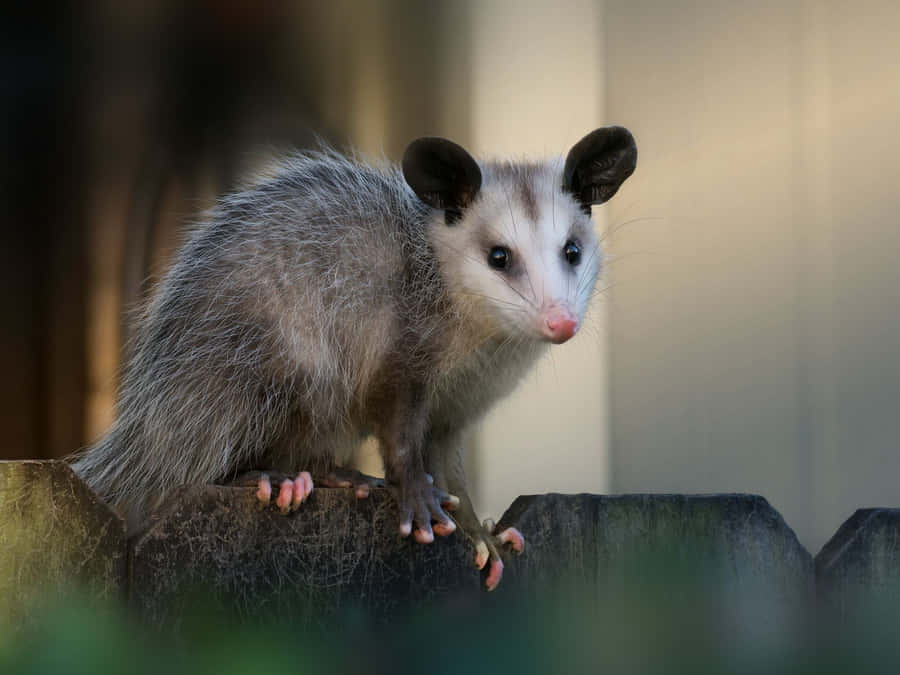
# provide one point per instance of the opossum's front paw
(291, 491)
(345, 478)
(489, 543)
(421, 504)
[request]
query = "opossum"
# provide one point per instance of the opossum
(335, 299)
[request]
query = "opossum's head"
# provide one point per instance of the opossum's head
(516, 240)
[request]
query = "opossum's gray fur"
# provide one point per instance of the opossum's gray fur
(331, 300)
(280, 314)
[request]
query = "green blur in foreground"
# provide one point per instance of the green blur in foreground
(670, 615)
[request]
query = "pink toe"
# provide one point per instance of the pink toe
(285, 494)
(302, 488)
(362, 491)
(444, 529)
(424, 536)
(299, 492)
(306, 477)
(405, 529)
(513, 536)
(264, 490)
(495, 574)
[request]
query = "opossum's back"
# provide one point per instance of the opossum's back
(321, 253)
(320, 224)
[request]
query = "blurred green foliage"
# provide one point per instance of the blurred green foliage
(649, 615)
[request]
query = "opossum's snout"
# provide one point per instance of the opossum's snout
(558, 324)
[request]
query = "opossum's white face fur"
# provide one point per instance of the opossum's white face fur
(516, 244)
(524, 254)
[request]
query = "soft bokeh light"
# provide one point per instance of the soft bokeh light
(748, 339)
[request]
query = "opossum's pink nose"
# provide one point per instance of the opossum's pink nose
(559, 325)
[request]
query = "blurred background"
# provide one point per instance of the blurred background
(749, 335)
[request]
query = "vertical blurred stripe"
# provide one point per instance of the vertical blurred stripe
(537, 87)
(755, 331)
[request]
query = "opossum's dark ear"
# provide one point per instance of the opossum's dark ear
(598, 164)
(442, 174)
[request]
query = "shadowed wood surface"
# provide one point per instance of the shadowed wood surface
(733, 547)
(860, 564)
(335, 553)
(213, 547)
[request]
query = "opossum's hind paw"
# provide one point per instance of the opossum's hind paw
(345, 478)
(488, 547)
(290, 494)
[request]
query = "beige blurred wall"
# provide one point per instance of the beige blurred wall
(536, 88)
(755, 331)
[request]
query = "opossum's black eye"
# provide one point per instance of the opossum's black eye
(499, 258)
(572, 252)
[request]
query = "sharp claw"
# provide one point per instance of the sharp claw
(481, 555)
(451, 503)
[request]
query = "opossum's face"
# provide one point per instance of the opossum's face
(518, 245)
(524, 254)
